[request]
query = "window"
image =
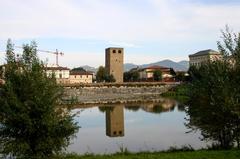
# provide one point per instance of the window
(115, 133)
(75, 76)
(87, 76)
(119, 51)
(114, 51)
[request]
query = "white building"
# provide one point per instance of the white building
(147, 73)
(80, 77)
(204, 56)
(61, 74)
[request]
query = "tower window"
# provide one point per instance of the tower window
(114, 51)
(119, 51)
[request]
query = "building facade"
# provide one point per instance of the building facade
(204, 56)
(61, 73)
(77, 77)
(146, 74)
(114, 63)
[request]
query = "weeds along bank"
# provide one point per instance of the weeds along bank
(202, 154)
(114, 93)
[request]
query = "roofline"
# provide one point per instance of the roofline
(114, 48)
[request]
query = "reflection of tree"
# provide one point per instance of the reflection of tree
(181, 107)
(132, 108)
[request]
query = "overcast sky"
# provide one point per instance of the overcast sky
(149, 30)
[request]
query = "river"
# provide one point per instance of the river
(137, 127)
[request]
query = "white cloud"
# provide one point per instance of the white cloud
(114, 20)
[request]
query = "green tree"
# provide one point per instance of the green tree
(10, 55)
(157, 75)
(131, 76)
(180, 76)
(32, 123)
(172, 72)
(80, 69)
(214, 107)
(103, 76)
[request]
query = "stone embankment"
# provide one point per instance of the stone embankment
(114, 93)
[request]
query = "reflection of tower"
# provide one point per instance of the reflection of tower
(114, 63)
(115, 121)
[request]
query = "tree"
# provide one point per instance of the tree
(131, 76)
(157, 75)
(103, 76)
(32, 123)
(10, 55)
(80, 69)
(180, 76)
(172, 72)
(214, 107)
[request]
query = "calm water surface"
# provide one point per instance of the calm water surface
(139, 127)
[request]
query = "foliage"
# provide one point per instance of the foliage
(103, 76)
(32, 125)
(131, 76)
(214, 107)
(172, 72)
(80, 69)
(157, 75)
(183, 153)
(10, 55)
(180, 93)
(180, 76)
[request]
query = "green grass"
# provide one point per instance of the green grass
(180, 93)
(201, 154)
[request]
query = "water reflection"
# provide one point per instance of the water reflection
(115, 121)
(139, 127)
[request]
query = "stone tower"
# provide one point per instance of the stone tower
(114, 63)
(115, 121)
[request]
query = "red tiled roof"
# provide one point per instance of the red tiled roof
(57, 68)
(156, 67)
(80, 73)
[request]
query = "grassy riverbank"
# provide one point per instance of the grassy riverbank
(180, 93)
(201, 154)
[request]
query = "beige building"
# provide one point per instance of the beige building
(115, 121)
(80, 77)
(61, 73)
(114, 63)
(147, 73)
(204, 56)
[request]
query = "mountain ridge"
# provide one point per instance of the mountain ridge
(177, 66)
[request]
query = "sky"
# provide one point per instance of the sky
(148, 30)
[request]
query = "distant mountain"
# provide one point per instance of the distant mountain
(184, 63)
(129, 66)
(178, 66)
(89, 68)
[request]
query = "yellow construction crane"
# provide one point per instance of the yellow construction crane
(57, 53)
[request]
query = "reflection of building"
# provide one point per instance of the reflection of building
(115, 121)
(204, 56)
(147, 73)
(114, 63)
(166, 106)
